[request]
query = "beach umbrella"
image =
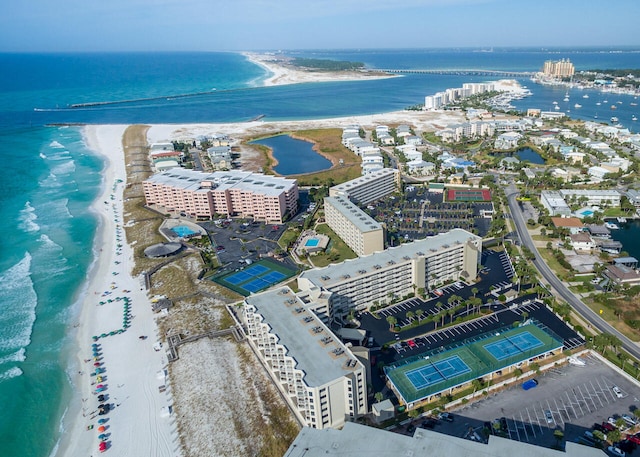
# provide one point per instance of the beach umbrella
(99, 379)
(95, 345)
(99, 386)
(102, 428)
(102, 421)
(95, 338)
(96, 364)
(103, 335)
(102, 436)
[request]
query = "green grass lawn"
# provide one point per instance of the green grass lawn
(338, 250)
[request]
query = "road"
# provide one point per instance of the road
(587, 313)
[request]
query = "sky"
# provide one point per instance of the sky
(235, 25)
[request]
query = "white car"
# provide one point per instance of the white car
(617, 391)
(549, 416)
(615, 451)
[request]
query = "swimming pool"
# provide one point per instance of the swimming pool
(183, 231)
(312, 242)
(587, 212)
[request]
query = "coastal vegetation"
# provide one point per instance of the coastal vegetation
(257, 418)
(326, 64)
(326, 142)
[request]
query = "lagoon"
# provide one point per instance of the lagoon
(294, 156)
(529, 155)
(628, 235)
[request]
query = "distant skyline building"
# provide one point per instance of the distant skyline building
(558, 68)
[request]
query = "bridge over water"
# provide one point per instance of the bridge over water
(512, 74)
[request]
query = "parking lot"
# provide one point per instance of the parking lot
(570, 398)
(421, 213)
(240, 242)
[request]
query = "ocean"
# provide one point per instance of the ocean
(51, 177)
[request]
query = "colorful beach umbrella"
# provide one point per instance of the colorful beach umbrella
(102, 428)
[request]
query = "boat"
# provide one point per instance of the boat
(634, 118)
(557, 107)
(577, 105)
(621, 220)
(611, 226)
(614, 119)
(555, 103)
(596, 116)
(585, 96)
(605, 101)
(633, 104)
(598, 103)
(614, 107)
(566, 99)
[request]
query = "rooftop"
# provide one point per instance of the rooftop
(354, 214)
(336, 273)
(355, 440)
(223, 180)
(316, 350)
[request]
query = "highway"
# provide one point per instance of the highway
(587, 313)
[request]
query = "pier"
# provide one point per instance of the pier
(467, 72)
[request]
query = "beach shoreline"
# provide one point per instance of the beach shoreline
(282, 75)
(129, 381)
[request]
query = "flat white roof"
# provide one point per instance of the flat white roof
(222, 180)
(354, 214)
(337, 273)
(317, 351)
(360, 440)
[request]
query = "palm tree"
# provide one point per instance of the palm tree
(419, 313)
(474, 291)
(379, 396)
(410, 315)
(451, 313)
(392, 322)
(439, 305)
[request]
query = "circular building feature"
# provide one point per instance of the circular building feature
(162, 250)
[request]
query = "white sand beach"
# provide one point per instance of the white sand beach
(137, 424)
(281, 75)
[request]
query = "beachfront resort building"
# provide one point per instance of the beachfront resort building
(558, 68)
(396, 272)
(321, 379)
(369, 188)
(231, 193)
(363, 234)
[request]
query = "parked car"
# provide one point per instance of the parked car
(608, 427)
(503, 424)
(599, 428)
(530, 384)
(548, 416)
(633, 439)
(429, 423)
(627, 446)
(616, 451)
(447, 417)
(617, 391)
(629, 420)
(411, 428)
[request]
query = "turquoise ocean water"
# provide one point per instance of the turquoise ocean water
(50, 177)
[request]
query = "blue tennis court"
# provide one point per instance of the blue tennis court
(273, 276)
(256, 270)
(512, 345)
(256, 277)
(256, 285)
(436, 372)
(238, 277)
